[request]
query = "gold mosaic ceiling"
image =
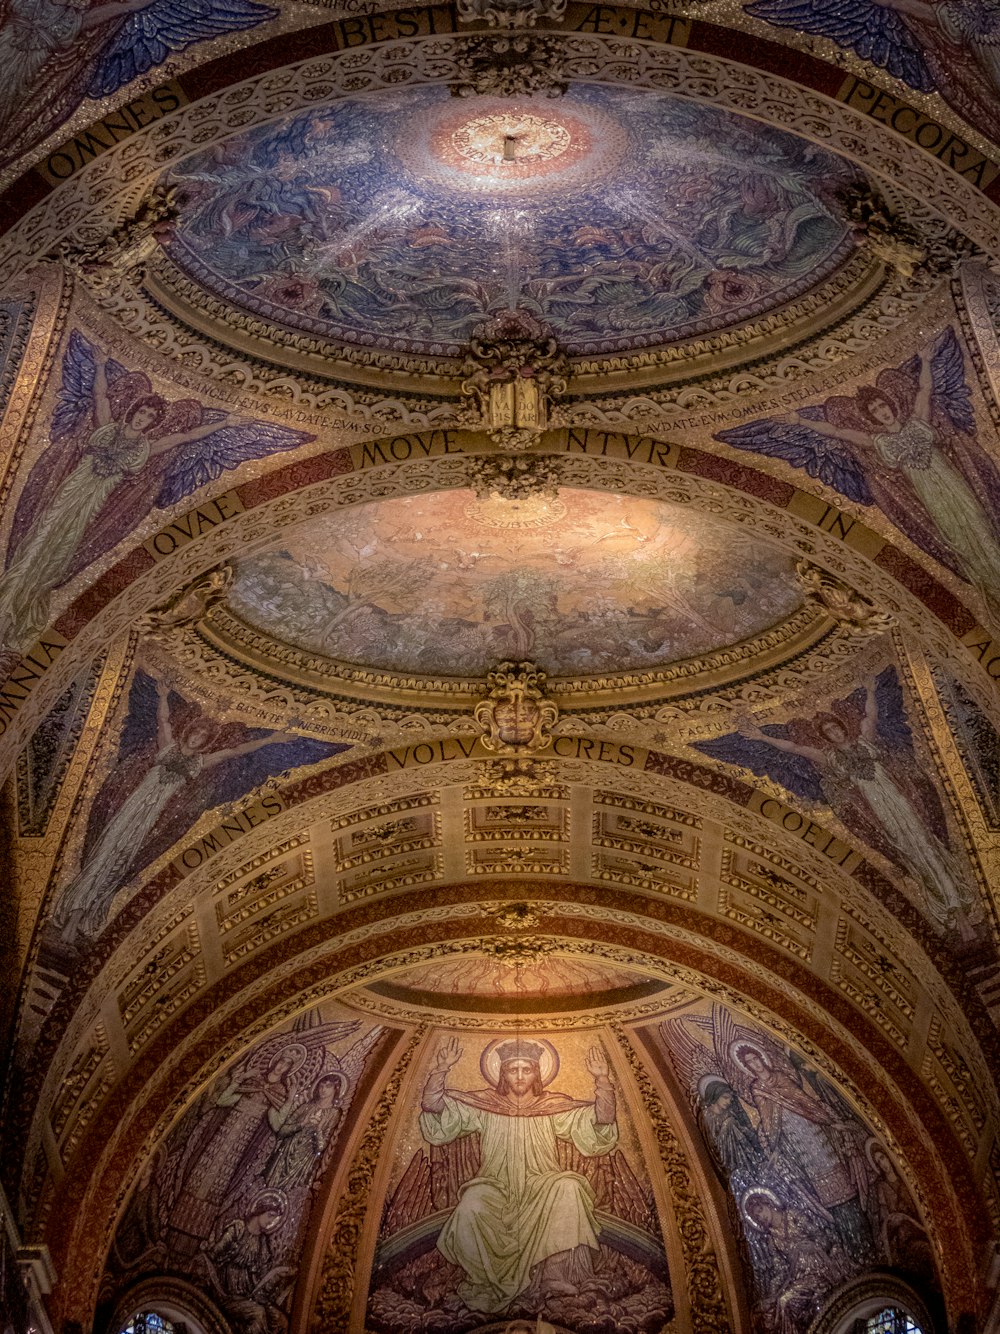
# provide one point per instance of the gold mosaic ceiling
(286, 485)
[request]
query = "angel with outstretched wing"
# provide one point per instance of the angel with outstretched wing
(926, 43)
(54, 54)
(118, 449)
(907, 445)
(849, 760)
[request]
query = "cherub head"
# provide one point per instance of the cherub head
(832, 729)
(198, 736)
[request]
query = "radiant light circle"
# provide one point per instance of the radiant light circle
(515, 138)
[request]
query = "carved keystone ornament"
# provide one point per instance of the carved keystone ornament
(513, 370)
(516, 717)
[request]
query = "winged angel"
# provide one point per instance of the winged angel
(241, 1163)
(906, 445)
(117, 451)
(949, 46)
(806, 1172)
(54, 54)
(859, 760)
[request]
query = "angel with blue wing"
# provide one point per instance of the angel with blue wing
(54, 54)
(118, 449)
(907, 445)
(853, 760)
(182, 756)
(946, 46)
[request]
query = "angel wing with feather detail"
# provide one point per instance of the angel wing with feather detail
(794, 772)
(352, 1063)
(950, 392)
(691, 1058)
(76, 391)
(147, 37)
(314, 1040)
(199, 461)
(827, 460)
(872, 31)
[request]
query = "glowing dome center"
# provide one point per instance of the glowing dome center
(521, 138)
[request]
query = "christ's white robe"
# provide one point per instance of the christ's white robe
(522, 1207)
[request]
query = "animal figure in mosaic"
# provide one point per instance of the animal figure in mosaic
(328, 216)
(858, 759)
(816, 1195)
(118, 450)
(54, 55)
(173, 761)
(906, 445)
(946, 46)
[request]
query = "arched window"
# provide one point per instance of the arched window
(890, 1320)
(878, 1302)
(149, 1322)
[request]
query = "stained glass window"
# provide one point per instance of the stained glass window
(148, 1322)
(891, 1321)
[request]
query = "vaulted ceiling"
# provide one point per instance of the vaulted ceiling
(501, 526)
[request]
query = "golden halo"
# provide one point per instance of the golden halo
(489, 1062)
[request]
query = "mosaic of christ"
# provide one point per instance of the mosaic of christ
(447, 584)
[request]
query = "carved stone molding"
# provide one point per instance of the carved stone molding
(513, 371)
(843, 604)
(516, 717)
(511, 65)
(514, 476)
(339, 1275)
(709, 1312)
(896, 242)
(192, 604)
(114, 183)
(510, 13)
(121, 256)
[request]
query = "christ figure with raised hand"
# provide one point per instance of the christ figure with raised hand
(522, 1223)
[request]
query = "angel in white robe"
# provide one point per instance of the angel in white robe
(179, 760)
(522, 1219)
(109, 433)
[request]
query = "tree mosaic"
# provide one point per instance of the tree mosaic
(816, 1195)
(224, 1199)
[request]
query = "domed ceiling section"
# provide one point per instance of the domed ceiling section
(448, 584)
(520, 1176)
(621, 220)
